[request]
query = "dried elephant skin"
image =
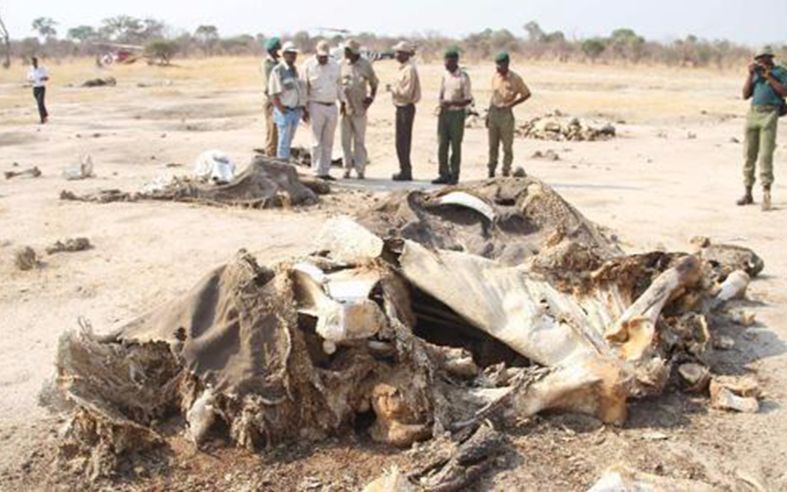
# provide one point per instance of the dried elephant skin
(571, 334)
(510, 221)
(235, 349)
(434, 311)
(263, 184)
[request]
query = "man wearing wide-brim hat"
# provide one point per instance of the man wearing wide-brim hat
(288, 94)
(766, 86)
(321, 74)
(405, 92)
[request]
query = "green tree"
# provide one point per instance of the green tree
(45, 27)
(6, 44)
(81, 34)
(162, 50)
(593, 48)
(207, 36)
(627, 44)
(534, 32)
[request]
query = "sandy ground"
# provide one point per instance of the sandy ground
(673, 173)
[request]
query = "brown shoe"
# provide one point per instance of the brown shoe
(766, 200)
(747, 198)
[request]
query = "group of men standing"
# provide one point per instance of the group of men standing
(312, 96)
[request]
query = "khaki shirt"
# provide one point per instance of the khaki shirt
(267, 67)
(406, 89)
(455, 87)
(284, 82)
(358, 79)
(322, 81)
(506, 90)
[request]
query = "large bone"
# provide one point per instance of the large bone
(340, 302)
(634, 331)
(527, 314)
(592, 373)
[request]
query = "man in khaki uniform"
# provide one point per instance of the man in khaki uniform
(508, 90)
(405, 92)
(454, 97)
(272, 47)
(359, 88)
(766, 86)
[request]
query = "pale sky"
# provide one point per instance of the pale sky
(750, 22)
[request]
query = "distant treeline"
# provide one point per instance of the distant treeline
(162, 42)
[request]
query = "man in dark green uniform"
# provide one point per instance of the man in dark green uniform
(272, 47)
(766, 85)
(455, 96)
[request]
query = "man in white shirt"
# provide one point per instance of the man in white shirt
(38, 76)
(322, 77)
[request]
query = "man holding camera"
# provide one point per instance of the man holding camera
(766, 86)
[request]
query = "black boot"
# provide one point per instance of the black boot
(441, 180)
(747, 198)
(402, 176)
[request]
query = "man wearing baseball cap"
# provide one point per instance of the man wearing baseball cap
(455, 96)
(508, 90)
(288, 94)
(359, 88)
(321, 74)
(272, 47)
(405, 92)
(766, 86)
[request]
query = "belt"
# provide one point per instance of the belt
(324, 103)
(764, 108)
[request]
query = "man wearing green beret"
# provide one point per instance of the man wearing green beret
(508, 90)
(766, 86)
(455, 96)
(272, 47)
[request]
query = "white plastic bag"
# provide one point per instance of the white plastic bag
(214, 165)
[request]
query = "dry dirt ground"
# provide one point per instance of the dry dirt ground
(673, 173)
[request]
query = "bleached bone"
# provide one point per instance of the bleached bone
(348, 241)
(734, 287)
(634, 331)
(565, 332)
(201, 416)
(391, 481)
(735, 393)
(622, 479)
(464, 199)
(340, 302)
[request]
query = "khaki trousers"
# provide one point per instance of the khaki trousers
(271, 133)
(501, 130)
(354, 142)
(760, 141)
(323, 119)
